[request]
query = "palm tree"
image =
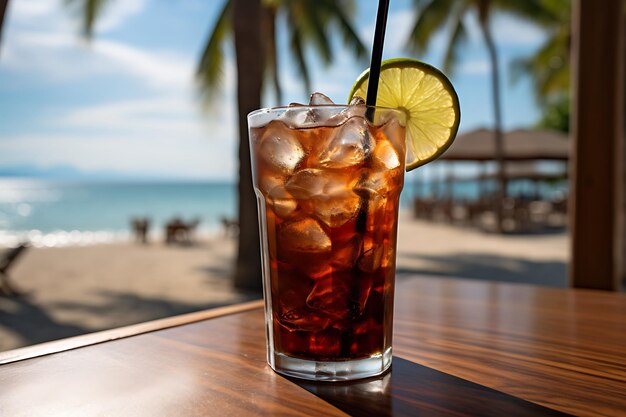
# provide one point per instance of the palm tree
(3, 9)
(248, 51)
(550, 66)
(434, 15)
(308, 23)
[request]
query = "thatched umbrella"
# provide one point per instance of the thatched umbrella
(519, 145)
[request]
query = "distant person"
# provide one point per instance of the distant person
(177, 231)
(231, 227)
(141, 227)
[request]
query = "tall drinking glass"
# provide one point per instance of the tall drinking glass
(328, 181)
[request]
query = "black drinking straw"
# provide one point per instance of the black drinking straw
(372, 90)
(372, 87)
(377, 51)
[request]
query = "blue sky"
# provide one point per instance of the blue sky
(127, 101)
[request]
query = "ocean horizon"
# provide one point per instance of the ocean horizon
(65, 212)
(72, 212)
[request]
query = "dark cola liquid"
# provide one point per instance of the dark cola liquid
(328, 199)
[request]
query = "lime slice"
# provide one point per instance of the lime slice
(429, 100)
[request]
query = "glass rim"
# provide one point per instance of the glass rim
(323, 106)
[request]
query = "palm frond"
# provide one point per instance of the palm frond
(549, 67)
(89, 11)
(338, 11)
(541, 12)
(210, 67)
(314, 24)
(295, 42)
(458, 36)
(430, 17)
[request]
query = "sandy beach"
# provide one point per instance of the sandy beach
(76, 290)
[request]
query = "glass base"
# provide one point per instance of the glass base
(330, 371)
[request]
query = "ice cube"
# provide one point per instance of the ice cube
(336, 209)
(350, 144)
(316, 268)
(357, 101)
(303, 318)
(312, 182)
(328, 193)
(372, 257)
(375, 183)
(283, 203)
(268, 181)
(356, 108)
(345, 254)
(332, 296)
(280, 148)
(306, 183)
(340, 296)
(385, 155)
(304, 235)
(389, 254)
(319, 99)
(298, 116)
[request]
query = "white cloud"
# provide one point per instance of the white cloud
(65, 56)
(58, 16)
(158, 69)
(174, 115)
(21, 10)
(177, 157)
(114, 16)
(42, 37)
(164, 133)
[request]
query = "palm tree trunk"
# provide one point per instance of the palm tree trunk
(248, 51)
(270, 22)
(497, 128)
(3, 9)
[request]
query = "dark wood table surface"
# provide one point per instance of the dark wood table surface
(461, 347)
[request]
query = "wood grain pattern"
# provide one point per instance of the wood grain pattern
(563, 349)
(69, 343)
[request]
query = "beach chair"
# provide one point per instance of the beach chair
(6, 261)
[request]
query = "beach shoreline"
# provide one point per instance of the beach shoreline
(72, 290)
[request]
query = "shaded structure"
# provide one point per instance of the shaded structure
(519, 145)
(524, 150)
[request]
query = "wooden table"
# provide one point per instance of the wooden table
(461, 348)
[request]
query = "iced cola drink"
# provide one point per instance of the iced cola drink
(328, 180)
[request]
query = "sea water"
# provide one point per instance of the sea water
(59, 213)
(56, 213)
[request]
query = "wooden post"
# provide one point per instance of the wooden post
(597, 127)
(622, 213)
